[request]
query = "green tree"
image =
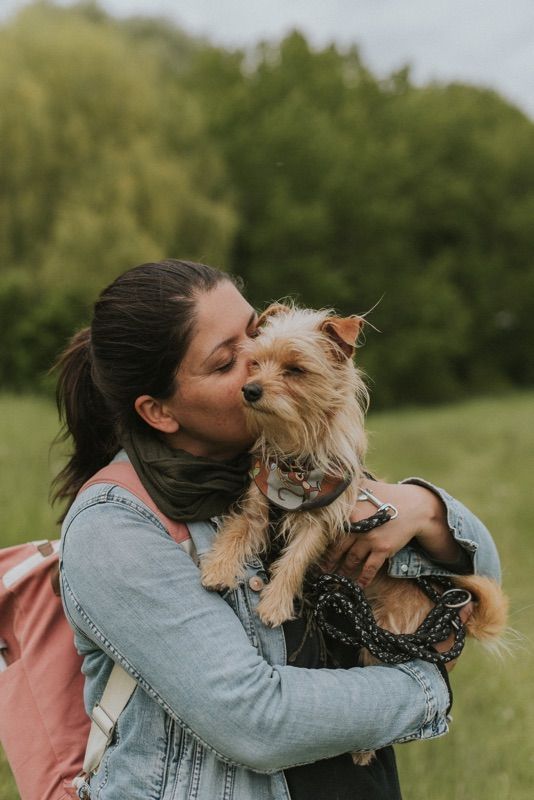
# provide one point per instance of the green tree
(353, 190)
(123, 141)
(103, 164)
(91, 181)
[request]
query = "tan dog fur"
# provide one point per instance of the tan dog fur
(312, 408)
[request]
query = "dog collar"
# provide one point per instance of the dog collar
(294, 488)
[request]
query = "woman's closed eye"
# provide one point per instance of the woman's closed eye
(251, 333)
(227, 366)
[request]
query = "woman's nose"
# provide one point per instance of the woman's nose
(252, 392)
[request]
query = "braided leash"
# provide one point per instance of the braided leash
(385, 512)
(337, 595)
(370, 523)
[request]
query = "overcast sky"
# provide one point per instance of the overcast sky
(487, 42)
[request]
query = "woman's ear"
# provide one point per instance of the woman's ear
(156, 414)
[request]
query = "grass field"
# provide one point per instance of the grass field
(483, 453)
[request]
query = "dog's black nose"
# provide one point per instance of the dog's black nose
(252, 392)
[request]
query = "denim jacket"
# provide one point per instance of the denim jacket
(217, 713)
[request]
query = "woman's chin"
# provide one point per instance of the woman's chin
(242, 444)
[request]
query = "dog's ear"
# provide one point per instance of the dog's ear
(272, 311)
(344, 332)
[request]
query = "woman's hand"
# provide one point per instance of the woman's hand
(421, 515)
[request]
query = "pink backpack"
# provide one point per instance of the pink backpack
(43, 723)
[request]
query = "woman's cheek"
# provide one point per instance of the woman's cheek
(237, 385)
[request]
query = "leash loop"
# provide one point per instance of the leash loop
(343, 612)
(465, 596)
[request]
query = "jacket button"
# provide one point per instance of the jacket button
(256, 583)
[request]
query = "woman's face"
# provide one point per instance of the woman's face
(207, 404)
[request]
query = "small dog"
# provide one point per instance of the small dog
(305, 403)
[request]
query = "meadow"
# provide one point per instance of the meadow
(482, 451)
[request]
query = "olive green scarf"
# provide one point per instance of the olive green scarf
(185, 487)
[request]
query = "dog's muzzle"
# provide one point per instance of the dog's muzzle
(252, 392)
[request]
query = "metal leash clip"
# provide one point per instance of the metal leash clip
(365, 494)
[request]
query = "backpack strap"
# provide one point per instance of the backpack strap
(119, 689)
(122, 473)
(120, 685)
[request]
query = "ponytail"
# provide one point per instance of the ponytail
(85, 417)
(140, 331)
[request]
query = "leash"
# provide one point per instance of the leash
(355, 625)
(385, 512)
(337, 598)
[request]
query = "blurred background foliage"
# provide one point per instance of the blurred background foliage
(123, 141)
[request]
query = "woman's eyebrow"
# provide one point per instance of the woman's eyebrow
(231, 339)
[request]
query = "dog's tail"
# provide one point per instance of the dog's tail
(488, 622)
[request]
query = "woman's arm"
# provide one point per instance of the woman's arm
(431, 527)
(138, 596)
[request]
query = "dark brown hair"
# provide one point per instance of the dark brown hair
(139, 334)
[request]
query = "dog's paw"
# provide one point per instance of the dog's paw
(272, 611)
(363, 759)
(215, 577)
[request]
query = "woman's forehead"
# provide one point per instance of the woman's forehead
(222, 314)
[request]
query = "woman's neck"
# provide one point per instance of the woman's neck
(213, 451)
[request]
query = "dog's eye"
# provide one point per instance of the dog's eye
(293, 369)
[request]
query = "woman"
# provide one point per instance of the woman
(218, 713)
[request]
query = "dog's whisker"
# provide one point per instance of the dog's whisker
(517, 611)
(369, 310)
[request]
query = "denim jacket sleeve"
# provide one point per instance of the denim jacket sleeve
(467, 530)
(137, 595)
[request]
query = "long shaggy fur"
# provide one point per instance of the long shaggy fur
(311, 410)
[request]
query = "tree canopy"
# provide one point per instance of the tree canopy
(297, 168)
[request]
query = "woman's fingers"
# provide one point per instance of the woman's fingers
(371, 566)
(338, 552)
(353, 558)
(359, 556)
